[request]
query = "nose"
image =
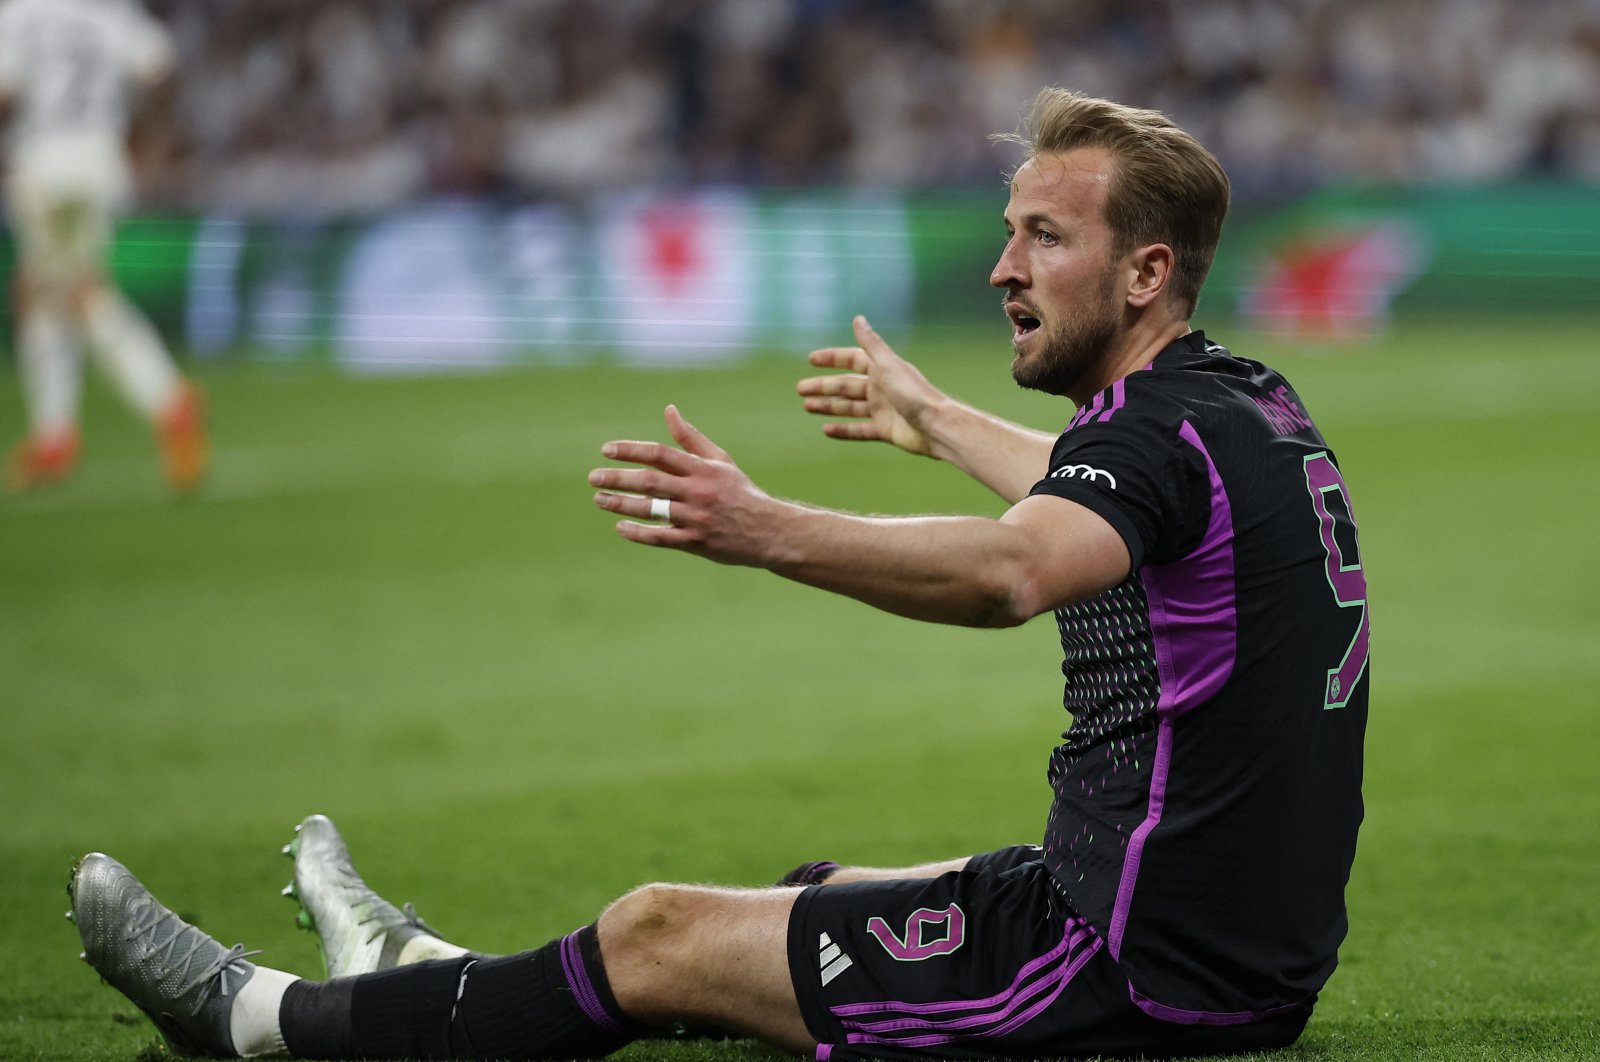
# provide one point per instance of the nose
(1010, 271)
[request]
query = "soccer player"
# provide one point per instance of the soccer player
(68, 69)
(1191, 531)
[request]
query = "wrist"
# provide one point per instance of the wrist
(790, 531)
(940, 424)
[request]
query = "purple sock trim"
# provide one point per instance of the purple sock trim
(810, 873)
(583, 989)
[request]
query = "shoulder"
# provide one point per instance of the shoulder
(14, 19)
(1174, 388)
(1200, 386)
(133, 39)
(139, 20)
(20, 12)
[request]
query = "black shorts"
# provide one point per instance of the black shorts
(988, 962)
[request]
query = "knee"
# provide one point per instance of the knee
(647, 946)
(32, 291)
(85, 295)
(648, 924)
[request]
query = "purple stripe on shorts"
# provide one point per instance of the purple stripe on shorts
(1061, 983)
(1075, 929)
(824, 1052)
(582, 988)
(1024, 1000)
(1058, 982)
(1018, 994)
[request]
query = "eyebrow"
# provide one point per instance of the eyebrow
(1033, 219)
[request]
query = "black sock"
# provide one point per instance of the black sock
(810, 873)
(554, 1002)
(314, 1018)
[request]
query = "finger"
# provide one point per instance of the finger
(642, 481)
(692, 438)
(654, 454)
(871, 342)
(853, 358)
(662, 535)
(853, 430)
(840, 386)
(625, 504)
(837, 407)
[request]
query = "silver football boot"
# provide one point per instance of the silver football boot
(358, 930)
(181, 978)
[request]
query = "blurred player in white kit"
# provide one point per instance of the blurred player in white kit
(69, 70)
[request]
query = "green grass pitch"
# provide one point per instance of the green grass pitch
(396, 604)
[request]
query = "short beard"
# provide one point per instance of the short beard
(1077, 344)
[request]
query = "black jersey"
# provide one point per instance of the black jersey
(1208, 792)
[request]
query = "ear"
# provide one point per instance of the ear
(1151, 267)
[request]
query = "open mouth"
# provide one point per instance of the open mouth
(1023, 322)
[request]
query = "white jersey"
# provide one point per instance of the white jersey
(70, 67)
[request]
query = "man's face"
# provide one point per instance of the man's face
(1058, 270)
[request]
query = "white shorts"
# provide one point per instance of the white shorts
(63, 195)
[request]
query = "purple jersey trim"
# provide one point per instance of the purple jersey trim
(1130, 865)
(1194, 624)
(1119, 397)
(1178, 1016)
(1098, 410)
(1087, 411)
(1193, 606)
(582, 988)
(1036, 986)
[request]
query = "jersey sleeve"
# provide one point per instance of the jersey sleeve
(1134, 472)
(146, 47)
(10, 52)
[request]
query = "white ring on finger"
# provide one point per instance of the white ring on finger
(661, 509)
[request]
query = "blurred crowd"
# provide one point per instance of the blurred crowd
(352, 105)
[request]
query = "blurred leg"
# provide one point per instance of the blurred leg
(140, 367)
(47, 360)
(47, 365)
(130, 351)
(47, 349)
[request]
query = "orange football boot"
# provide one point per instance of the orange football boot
(38, 461)
(185, 452)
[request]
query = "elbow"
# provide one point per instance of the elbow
(1005, 616)
(1009, 600)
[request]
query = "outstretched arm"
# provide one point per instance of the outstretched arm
(968, 570)
(886, 399)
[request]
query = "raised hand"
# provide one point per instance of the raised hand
(713, 508)
(883, 396)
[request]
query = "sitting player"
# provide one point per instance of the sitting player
(1190, 531)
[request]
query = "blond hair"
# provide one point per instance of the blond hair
(1166, 187)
